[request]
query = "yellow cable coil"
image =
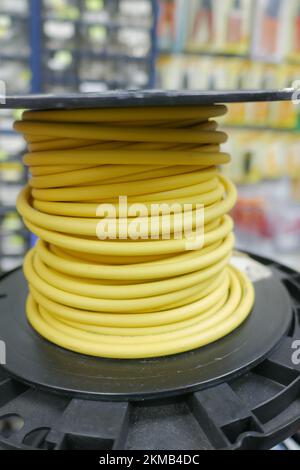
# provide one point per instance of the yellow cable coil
(126, 298)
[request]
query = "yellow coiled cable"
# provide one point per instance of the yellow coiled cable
(124, 296)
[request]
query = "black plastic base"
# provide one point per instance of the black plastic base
(257, 409)
(35, 361)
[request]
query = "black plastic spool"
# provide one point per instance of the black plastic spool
(252, 399)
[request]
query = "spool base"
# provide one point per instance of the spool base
(35, 361)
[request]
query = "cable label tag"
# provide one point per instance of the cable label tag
(254, 270)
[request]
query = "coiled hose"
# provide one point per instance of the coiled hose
(124, 297)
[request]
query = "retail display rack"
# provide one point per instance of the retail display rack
(64, 46)
(245, 44)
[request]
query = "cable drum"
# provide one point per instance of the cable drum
(121, 297)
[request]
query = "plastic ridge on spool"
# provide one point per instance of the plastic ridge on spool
(125, 98)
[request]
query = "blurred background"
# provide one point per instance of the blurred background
(54, 46)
